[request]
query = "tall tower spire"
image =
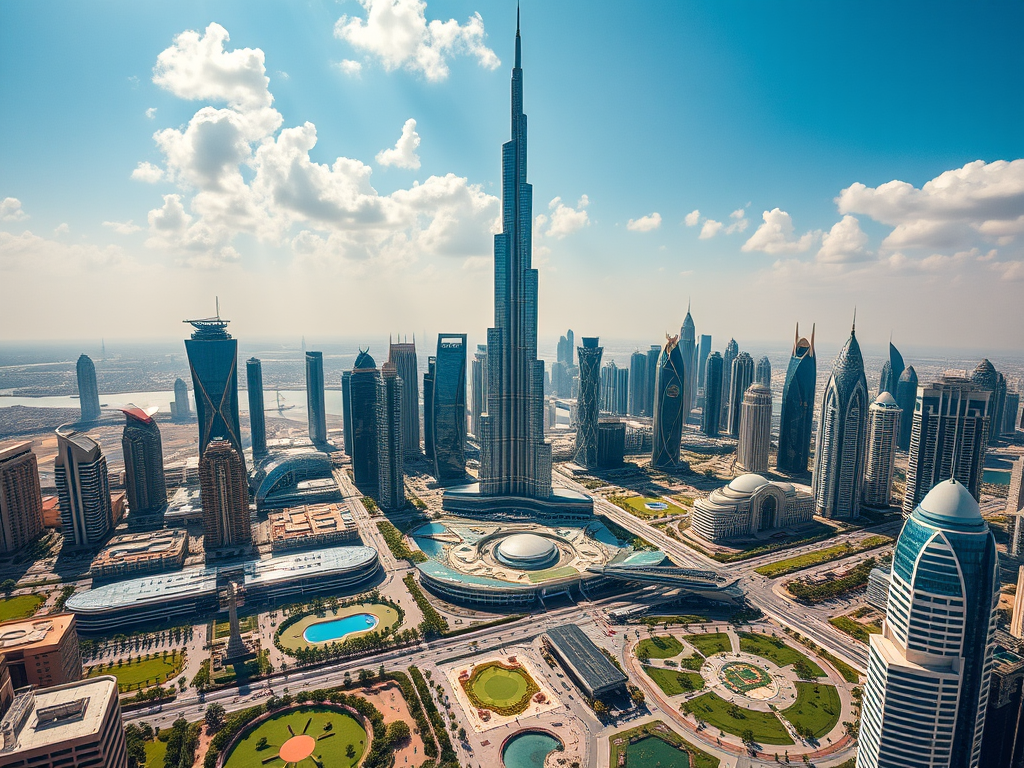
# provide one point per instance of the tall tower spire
(519, 47)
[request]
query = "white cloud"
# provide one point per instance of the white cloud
(397, 33)
(710, 229)
(403, 154)
(10, 210)
(350, 67)
(62, 229)
(36, 254)
(692, 219)
(739, 222)
(844, 243)
(122, 227)
(151, 113)
(646, 223)
(775, 235)
(148, 173)
(565, 219)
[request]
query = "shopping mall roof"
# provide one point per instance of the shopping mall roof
(585, 660)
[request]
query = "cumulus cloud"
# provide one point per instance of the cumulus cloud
(397, 33)
(62, 229)
(565, 219)
(647, 223)
(710, 229)
(692, 219)
(148, 173)
(403, 154)
(350, 67)
(845, 242)
(122, 227)
(739, 221)
(776, 236)
(151, 113)
(10, 210)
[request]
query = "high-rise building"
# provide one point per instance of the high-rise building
(566, 343)
(403, 356)
(669, 406)
(703, 350)
(224, 492)
(180, 408)
(985, 377)
(316, 409)
(949, 437)
(688, 349)
(449, 408)
(363, 398)
(742, 377)
(143, 461)
(346, 411)
(732, 349)
(21, 502)
(390, 445)
(479, 376)
(797, 414)
(711, 415)
(428, 408)
(755, 433)
(651, 370)
(883, 426)
(88, 390)
(1015, 512)
(1002, 743)
(257, 412)
(842, 432)
(637, 383)
(609, 379)
(213, 361)
(42, 651)
(929, 670)
(763, 373)
(892, 369)
(83, 487)
(906, 397)
(1010, 407)
(588, 402)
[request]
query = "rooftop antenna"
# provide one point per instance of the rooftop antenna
(853, 330)
(217, 300)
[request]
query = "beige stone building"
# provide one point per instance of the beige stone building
(41, 651)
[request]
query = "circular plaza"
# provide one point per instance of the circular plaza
(301, 737)
(737, 676)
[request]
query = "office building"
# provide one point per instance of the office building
(949, 437)
(884, 417)
(749, 505)
(213, 361)
(83, 487)
(608, 386)
(797, 416)
(763, 373)
(363, 399)
(611, 443)
(755, 432)
(428, 408)
(703, 350)
(637, 383)
(566, 344)
(143, 461)
(878, 588)
(651, 370)
(88, 390)
(1015, 510)
(732, 350)
(688, 350)
(588, 402)
(257, 411)
(588, 667)
(316, 409)
(312, 526)
(741, 378)
(892, 370)
(621, 402)
(390, 446)
(181, 411)
(985, 377)
(1002, 743)
(929, 670)
(478, 369)
(711, 415)
(402, 354)
(346, 411)
(225, 497)
(669, 406)
(906, 398)
(41, 651)
(448, 402)
(21, 500)
(74, 725)
(1011, 405)
(133, 554)
(842, 433)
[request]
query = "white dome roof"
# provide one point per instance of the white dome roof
(951, 499)
(748, 483)
(885, 399)
(527, 547)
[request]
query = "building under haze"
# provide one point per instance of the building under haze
(742, 377)
(688, 350)
(257, 411)
(225, 496)
(755, 432)
(346, 411)
(906, 398)
(892, 369)
(669, 406)
(428, 408)
(402, 355)
(637, 386)
(763, 372)
(711, 415)
(448, 407)
(797, 417)
(651, 377)
(732, 350)
(884, 417)
(143, 461)
(21, 503)
(588, 403)
(316, 408)
(390, 445)
(703, 350)
(985, 377)
(181, 411)
(479, 383)
(83, 488)
(213, 361)
(88, 390)
(363, 397)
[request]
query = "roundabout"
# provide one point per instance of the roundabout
(738, 676)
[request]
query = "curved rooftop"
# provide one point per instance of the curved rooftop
(364, 361)
(886, 399)
(951, 501)
(748, 483)
(984, 375)
(526, 550)
(909, 375)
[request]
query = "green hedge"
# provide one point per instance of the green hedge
(396, 543)
(856, 579)
(448, 755)
(433, 623)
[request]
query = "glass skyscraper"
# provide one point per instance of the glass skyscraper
(479, 384)
(257, 414)
(985, 376)
(448, 403)
(742, 377)
(669, 405)
(587, 404)
(88, 390)
(732, 349)
(428, 408)
(363, 400)
(651, 371)
(711, 415)
(403, 356)
(315, 407)
(688, 349)
(883, 425)
(763, 374)
(906, 397)
(83, 489)
(892, 369)
(224, 491)
(797, 407)
(637, 383)
(143, 462)
(180, 409)
(213, 361)
(390, 445)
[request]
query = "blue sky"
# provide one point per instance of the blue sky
(766, 119)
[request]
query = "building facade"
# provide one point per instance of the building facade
(763, 372)
(742, 377)
(41, 651)
(929, 670)
(986, 377)
(390, 445)
(257, 411)
(755, 432)
(611, 443)
(181, 411)
(906, 398)
(732, 350)
(143, 462)
(892, 370)
(213, 361)
(1015, 511)
(637, 379)
(21, 500)
(225, 496)
(403, 356)
(428, 408)
(669, 406)
(751, 505)
(884, 417)
(83, 487)
(588, 402)
(711, 415)
(1002, 743)
(316, 409)
(688, 350)
(346, 412)
(703, 350)
(797, 416)
(479, 376)
(88, 390)
(448, 404)
(363, 398)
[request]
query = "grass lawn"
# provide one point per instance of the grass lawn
(709, 645)
(672, 682)
(765, 647)
(638, 744)
(659, 647)
(637, 506)
(719, 713)
(498, 687)
(291, 636)
(551, 573)
(789, 565)
(330, 747)
(817, 708)
(20, 606)
(155, 751)
(142, 673)
(245, 624)
(855, 629)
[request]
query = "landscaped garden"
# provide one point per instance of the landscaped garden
(646, 507)
(673, 682)
(762, 727)
(654, 744)
(506, 690)
(818, 556)
(222, 629)
(709, 645)
(142, 672)
(855, 629)
(816, 711)
(775, 650)
(20, 606)
(336, 624)
(306, 736)
(658, 647)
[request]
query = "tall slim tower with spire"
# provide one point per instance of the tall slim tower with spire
(688, 349)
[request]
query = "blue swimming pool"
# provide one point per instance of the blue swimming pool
(336, 629)
(528, 750)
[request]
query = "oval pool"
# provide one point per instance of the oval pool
(528, 750)
(336, 629)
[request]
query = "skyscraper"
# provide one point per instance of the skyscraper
(143, 461)
(1011, 404)
(88, 391)
(588, 403)
(669, 405)
(985, 377)
(949, 437)
(906, 397)
(929, 671)
(257, 414)
(703, 350)
(346, 411)
(892, 369)
(755, 433)
(732, 349)
(621, 402)
(21, 503)
(842, 431)
(884, 417)
(763, 373)
(213, 361)
(83, 489)
(688, 349)
(403, 356)
(1015, 511)
(797, 407)
(224, 492)
(390, 444)
(515, 459)
(449, 408)
(711, 415)
(637, 383)
(742, 377)
(428, 408)
(180, 409)
(479, 376)
(316, 409)
(564, 352)
(363, 397)
(651, 370)
(608, 380)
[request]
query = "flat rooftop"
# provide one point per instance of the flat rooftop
(591, 666)
(140, 547)
(310, 520)
(28, 634)
(70, 711)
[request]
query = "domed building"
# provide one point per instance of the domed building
(749, 505)
(527, 551)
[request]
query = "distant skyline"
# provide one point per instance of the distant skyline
(327, 176)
